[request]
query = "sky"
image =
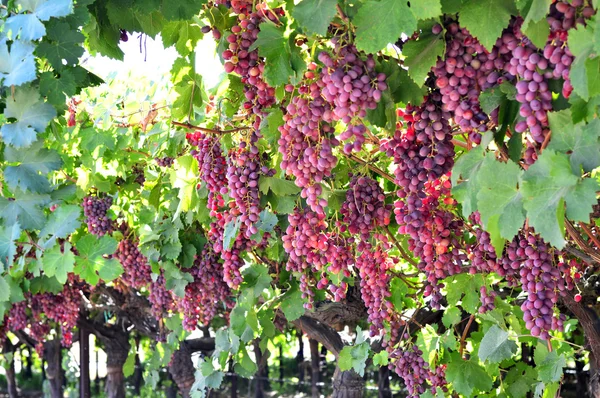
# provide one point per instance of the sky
(155, 61)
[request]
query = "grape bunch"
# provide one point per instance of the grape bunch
(207, 293)
(306, 143)
(212, 166)
(137, 272)
(373, 265)
(95, 210)
(342, 258)
(237, 6)
(411, 367)
(165, 161)
(352, 86)
(243, 172)
(466, 70)
(160, 298)
(364, 208)
(244, 61)
(17, 317)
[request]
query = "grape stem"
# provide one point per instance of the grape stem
(342, 14)
(400, 248)
(372, 168)
(589, 233)
(574, 234)
(68, 177)
(464, 335)
(136, 151)
(205, 130)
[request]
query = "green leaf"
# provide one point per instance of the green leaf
(181, 9)
(465, 288)
(62, 222)
(429, 342)
(381, 358)
(184, 176)
(551, 368)
(274, 47)
(256, 280)
(57, 89)
(486, 19)
(580, 141)
(91, 264)
(279, 186)
(18, 66)
(8, 235)
(393, 17)
(35, 163)
(423, 53)
(354, 357)
(315, 15)
(64, 44)
(495, 346)
(451, 317)
(129, 365)
(58, 264)
(426, 9)
(184, 35)
(499, 195)
(519, 380)
(24, 209)
(230, 233)
(32, 114)
(466, 170)
(46, 9)
(547, 185)
(4, 290)
(293, 306)
(467, 376)
(538, 32)
(191, 95)
(537, 12)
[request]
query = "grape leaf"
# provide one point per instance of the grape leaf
(584, 69)
(56, 89)
(551, 368)
(182, 9)
(25, 209)
(519, 380)
(274, 47)
(464, 177)
(256, 280)
(464, 287)
(4, 291)
(33, 161)
(191, 95)
(537, 12)
(429, 342)
(467, 376)
(293, 306)
(381, 358)
(91, 264)
(61, 223)
(280, 187)
(499, 195)
(581, 141)
(32, 116)
(451, 316)
(183, 35)
(8, 235)
(230, 233)
(184, 176)
(422, 54)
(64, 45)
(58, 264)
(538, 32)
(315, 15)
(495, 346)
(486, 19)
(381, 22)
(547, 185)
(354, 357)
(29, 26)
(129, 365)
(426, 9)
(17, 66)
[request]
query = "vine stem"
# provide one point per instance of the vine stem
(403, 253)
(574, 234)
(460, 144)
(138, 152)
(68, 177)
(341, 12)
(589, 233)
(205, 130)
(464, 335)
(374, 169)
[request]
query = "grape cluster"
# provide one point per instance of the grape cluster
(207, 293)
(342, 259)
(364, 208)
(240, 59)
(137, 272)
(165, 161)
(530, 259)
(95, 210)
(373, 265)
(212, 166)
(238, 6)
(17, 317)
(160, 298)
(411, 367)
(352, 86)
(306, 143)
(243, 173)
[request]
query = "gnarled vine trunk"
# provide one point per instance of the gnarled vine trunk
(383, 382)
(182, 369)
(54, 372)
(10, 371)
(347, 384)
(117, 348)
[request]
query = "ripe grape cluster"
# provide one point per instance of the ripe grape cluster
(95, 210)
(137, 272)
(306, 143)
(243, 173)
(207, 293)
(352, 86)
(165, 161)
(411, 367)
(160, 298)
(212, 166)
(364, 208)
(17, 317)
(245, 62)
